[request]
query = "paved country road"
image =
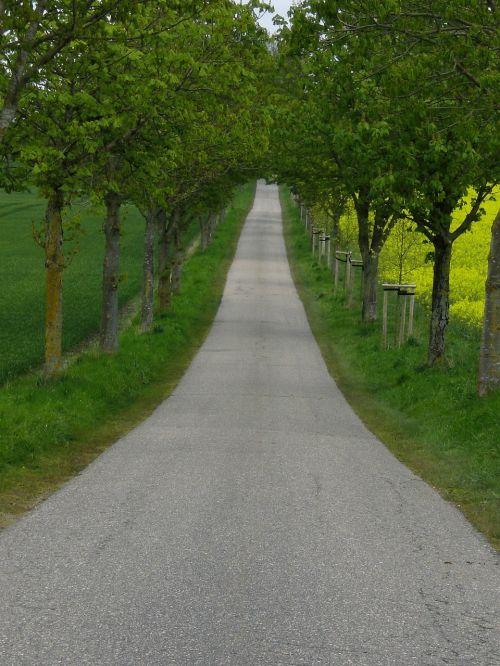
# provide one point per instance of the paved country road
(252, 519)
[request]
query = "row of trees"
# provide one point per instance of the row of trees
(393, 105)
(153, 103)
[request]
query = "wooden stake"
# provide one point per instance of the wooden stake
(336, 276)
(410, 320)
(384, 320)
(347, 283)
(352, 280)
(402, 321)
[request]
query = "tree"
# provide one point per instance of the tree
(489, 365)
(349, 124)
(438, 118)
(108, 119)
(33, 35)
(75, 119)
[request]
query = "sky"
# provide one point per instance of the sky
(281, 7)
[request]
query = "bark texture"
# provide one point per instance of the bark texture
(489, 363)
(370, 281)
(111, 274)
(7, 115)
(440, 313)
(370, 260)
(147, 301)
(54, 266)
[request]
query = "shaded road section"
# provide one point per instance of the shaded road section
(252, 519)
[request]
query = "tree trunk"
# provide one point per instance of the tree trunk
(370, 261)
(111, 275)
(164, 268)
(205, 231)
(7, 115)
(370, 282)
(440, 313)
(18, 79)
(54, 266)
(176, 277)
(147, 302)
(335, 238)
(213, 221)
(489, 362)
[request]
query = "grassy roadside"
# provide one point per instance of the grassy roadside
(431, 419)
(50, 431)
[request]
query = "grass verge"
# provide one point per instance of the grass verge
(50, 431)
(430, 418)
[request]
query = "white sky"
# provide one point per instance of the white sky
(280, 7)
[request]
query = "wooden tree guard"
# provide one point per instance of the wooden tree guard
(340, 258)
(402, 331)
(315, 240)
(323, 240)
(353, 263)
(310, 224)
(325, 248)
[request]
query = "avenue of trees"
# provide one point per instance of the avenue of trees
(153, 103)
(386, 106)
(392, 105)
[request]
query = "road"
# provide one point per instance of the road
(252, 519)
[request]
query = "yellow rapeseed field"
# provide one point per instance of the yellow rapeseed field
(405, 257)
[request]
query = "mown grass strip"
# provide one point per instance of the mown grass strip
(50, 431)
(430, 418)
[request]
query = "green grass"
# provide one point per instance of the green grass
(431, 419)
(22, 278)
(48, 431)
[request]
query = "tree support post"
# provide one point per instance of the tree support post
(404, 293)
(347, 283)
(315, 242)
(384, 320)
(489, 361)
(402, 318)
(411, 315)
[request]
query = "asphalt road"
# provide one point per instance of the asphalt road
(252, 519)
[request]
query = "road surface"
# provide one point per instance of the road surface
(252, 519)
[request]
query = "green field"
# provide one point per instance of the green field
(431, 418)
(22, 278)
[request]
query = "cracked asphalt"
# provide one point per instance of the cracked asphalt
(252, 519)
